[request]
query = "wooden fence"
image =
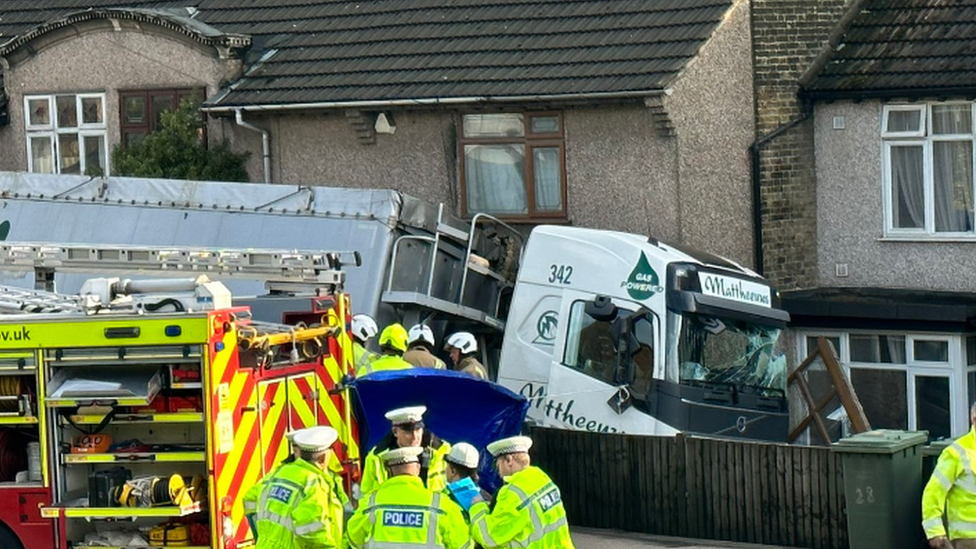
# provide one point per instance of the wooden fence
(697, 487)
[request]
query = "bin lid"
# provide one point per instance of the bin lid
(880, 441)
(935, 447)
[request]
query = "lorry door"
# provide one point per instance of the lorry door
(273, 405)
(587, 390)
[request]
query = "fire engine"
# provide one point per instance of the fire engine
(138, 411)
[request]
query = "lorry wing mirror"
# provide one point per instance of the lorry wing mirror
(601, 309)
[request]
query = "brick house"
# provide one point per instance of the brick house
(616, 115)
(893, 132)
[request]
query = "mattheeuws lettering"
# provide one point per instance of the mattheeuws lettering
(735, 289)
(561, 411)
(406, 519)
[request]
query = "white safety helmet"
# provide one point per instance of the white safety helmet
(463, 341)
(364, 327)
(421, 332)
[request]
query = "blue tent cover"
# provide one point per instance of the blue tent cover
(460, 408)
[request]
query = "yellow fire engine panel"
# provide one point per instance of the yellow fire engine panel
(117, 331)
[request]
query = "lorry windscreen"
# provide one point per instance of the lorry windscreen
(714, 350)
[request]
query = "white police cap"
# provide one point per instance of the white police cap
(315, 439)
(401, 456)
(464, 454)
(406, 416)
(511, 445)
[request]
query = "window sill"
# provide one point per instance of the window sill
(529, 220)
(928, 239)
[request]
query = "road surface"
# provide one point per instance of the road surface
(589, 538)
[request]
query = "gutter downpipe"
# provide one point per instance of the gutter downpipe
(265, 142)
(756, 150)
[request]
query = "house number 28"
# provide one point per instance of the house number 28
(864, 496)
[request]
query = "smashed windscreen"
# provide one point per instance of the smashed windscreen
(713, 350)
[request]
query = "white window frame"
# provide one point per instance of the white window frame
(52, 131)
(954, 369)
(924, 138)
(920, 108)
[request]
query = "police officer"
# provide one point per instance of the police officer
(402, 513)
(393, 342)
(420, 347)
(528, 508)
(463, 347)
(297, 506)
(408, 431)
(952, 488)
(462, 463)
(363, 329)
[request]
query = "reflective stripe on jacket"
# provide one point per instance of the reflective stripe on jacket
(361, 357)
(402, 514)
(297, 508)
(528, 513)
(374, 473)
(420, 357)
(472, 367)
(952, 488)
(384, 363)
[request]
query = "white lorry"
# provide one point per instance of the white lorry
(601, 330)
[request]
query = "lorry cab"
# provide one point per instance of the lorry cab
(615, 332)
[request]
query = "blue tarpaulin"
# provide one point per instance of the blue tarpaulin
(460, 408)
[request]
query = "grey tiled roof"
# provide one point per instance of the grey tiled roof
(315, 51)
(902, 48)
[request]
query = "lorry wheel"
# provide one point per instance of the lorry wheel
(8, 539)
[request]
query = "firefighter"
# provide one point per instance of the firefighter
(420, 348)
(402, 513)
(393, 342)
(462, 463)
(528, 508)
(363, 329)
(463, 347)
(408, 431)
(297, 506)
(952, 488)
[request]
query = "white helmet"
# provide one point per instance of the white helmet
(463, 341)
(421, 332)
(364, 327)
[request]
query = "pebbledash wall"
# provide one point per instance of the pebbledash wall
(788, 35)
(94, 57)
(622, 172)
(851, 210)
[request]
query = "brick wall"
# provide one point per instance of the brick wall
(787, 36)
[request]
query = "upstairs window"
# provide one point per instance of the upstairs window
(66, 134)
(512, 165)
(142, 110)
(928, 169)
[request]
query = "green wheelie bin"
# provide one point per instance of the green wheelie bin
(883, 487)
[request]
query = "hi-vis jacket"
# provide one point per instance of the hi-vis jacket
(952, 488)
(383, 363)
(433, 473)
(296, 507)
(528, 513)
(402, 514)
(361, 356)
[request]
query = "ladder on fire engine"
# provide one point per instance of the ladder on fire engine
(282, 270)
